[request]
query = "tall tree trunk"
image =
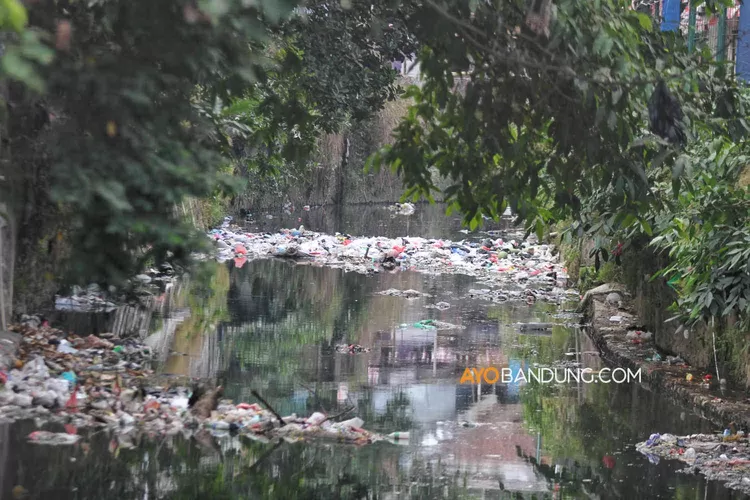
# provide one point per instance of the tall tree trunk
(339, 199)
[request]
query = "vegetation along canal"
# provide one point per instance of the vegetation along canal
(274, 327)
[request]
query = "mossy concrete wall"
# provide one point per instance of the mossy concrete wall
(652, 299)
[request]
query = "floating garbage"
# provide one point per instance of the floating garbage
(53, 438)
(100, 387)
(351, 348)
(440, 306)
(402, 208)
(426, 324)
(531, 271)
(409, 294)
(720, 457)
(399, 435)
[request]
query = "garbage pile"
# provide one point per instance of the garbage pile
(90, 299)
(104, 382)
(721, 457)
(524, 269)
(56, 371)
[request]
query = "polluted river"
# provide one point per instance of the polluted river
(334, 333)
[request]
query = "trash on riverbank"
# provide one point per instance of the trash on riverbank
(720, 457)
(56, 371)
(102, 382)
(524, 269)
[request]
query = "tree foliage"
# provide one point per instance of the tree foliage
(556, 125)
(333, 67)
(342, 54)
(544, 122)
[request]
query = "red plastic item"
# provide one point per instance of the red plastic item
(72, 402)
(152, 404)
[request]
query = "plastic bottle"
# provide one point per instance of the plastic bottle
(219, 425)
(399, 435)
(316, 418)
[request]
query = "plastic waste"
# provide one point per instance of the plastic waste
(399, 435)
(23, 400)
(70, 377)
(53, 438)
(219, 425)
(36, 368)
(66, 348)
(352, 422)
(653, 439)
(638, 334)
(316, 418)
(425, 324)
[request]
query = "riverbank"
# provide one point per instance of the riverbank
(620, 345)
(273, 324)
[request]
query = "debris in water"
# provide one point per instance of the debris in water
(531, 271)
(351, 348)
(440, 306)
(718, 457)
(53, 438)
(409, 294)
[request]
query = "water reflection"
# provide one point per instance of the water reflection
(273, 326)
(428, 221)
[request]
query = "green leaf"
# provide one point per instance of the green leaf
(646, 227)
(679, 166)
(14, 14)
(19, 69)
(645, 22)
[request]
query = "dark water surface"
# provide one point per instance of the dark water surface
(272, 326)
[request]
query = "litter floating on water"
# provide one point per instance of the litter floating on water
(409, 294)
(719, 457)
(532, 271)
(351, 348)
(399, 436)
(98, 387)
(53, 438)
